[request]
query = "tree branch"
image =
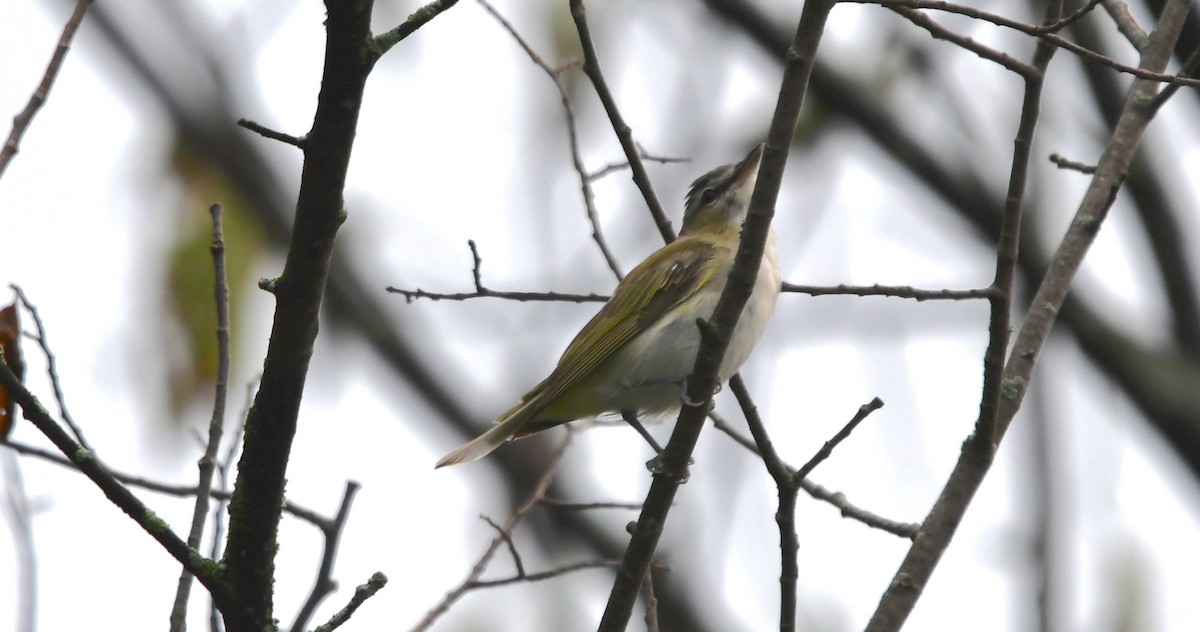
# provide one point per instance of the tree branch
(968, 474)
(591, 67)
(208, 462)
(23, 119)
(325, 584)
(86, 461)
(249, 557)
(715, 339)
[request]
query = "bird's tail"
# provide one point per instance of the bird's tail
(508, 427)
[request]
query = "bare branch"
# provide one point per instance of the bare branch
(976, 457)
(1126, 24)
(703, 380)
(419, 18)
(182, 491)
(248, 561)
(568, 506)
(544, 575)
(843, 434)
(508, 542)
(266, 132)
(585, 181)
(217, 424)
(1071, 165)
(472, 580)
(621, 166)
(51, 367)
(1029, 29)
(483, 292)
(848, 510)
(897, 291)
(325, 584)
(22, 120)
(940, 32)
(591, 67)
(361, 594)
(651, 600)
(87, 462)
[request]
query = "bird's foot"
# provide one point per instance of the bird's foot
(658, 468)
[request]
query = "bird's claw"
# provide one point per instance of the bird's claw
(658, 468)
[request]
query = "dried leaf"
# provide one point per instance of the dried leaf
(10, 342)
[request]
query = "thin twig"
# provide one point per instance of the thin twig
(1071, 165)
(419, 18)
(148, 484)
(483, 292)
(937, 31)
(51, 367)
(1029, 29)
(651, 617)
(216, 425)
(1126, 24)
(1000, 302)
(785, 515)
(544, 575)
(839, 500)
(361, 594)
(86, 461)
(585, 181)
(895, 291)
(23, 119)
(472, 581)
(1186, 69)
(621, 166)
(568, 506)
(843, 434)
(591, 67)
(508, 542)
(325, 584)
(412, 295)
(266, 132)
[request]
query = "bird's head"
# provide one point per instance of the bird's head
(719, 199)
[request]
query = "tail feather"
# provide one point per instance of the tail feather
(507, 428)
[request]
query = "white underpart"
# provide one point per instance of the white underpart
(658, 360)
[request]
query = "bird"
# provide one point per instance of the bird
(633, 357)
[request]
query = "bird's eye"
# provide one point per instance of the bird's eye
(708, 196)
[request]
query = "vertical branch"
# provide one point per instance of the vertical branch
(216, 425)
(715, 336)
(968, 474)
(1007, 246)
(254, 510)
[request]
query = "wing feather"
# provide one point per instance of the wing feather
(661, 282)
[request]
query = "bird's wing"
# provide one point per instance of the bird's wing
(665, 279)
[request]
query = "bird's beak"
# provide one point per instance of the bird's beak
(747, 169)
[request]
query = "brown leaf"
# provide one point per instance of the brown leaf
(10, 342)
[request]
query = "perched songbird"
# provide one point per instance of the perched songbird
(636, 352)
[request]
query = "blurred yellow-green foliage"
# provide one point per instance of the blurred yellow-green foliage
(190, 301)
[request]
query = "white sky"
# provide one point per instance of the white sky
(82, 236)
